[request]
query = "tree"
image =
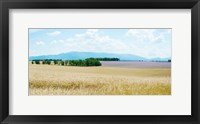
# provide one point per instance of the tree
(48, 62)
(66, 62)
(104, 59)
(37, 62)
(43, 62)
(62, 63)
(97, 63)
(55, 62)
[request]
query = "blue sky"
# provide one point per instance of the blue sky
(149, 43)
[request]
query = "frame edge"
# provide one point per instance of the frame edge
(4, 93)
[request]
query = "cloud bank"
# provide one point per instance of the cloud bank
(149, 43)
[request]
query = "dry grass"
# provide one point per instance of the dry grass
(66, 80)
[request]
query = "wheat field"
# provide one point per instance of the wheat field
(68, 80)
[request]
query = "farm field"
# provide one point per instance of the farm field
(103, 80)
(131, 64)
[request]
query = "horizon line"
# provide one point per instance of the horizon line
(99, 52)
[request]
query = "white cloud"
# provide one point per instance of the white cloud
(56, 41)
(40, 43)
(91, 31)
(55, 33)
(92, 41)
(151, 42)
(148, 36)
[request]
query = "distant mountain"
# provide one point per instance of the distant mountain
(84, 55)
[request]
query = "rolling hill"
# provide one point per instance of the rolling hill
(84, 55)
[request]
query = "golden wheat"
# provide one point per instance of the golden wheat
(66, 80)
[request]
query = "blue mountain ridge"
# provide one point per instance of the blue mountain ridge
(85, 55)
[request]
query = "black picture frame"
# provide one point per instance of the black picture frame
(5, 5)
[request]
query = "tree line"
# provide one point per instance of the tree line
(105, 59)
(86, 62)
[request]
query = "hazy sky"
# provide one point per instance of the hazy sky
(149, 43)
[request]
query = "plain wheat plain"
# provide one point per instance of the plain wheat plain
(69, 80)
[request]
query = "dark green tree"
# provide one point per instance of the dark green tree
(37, 62)
(62, 63)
